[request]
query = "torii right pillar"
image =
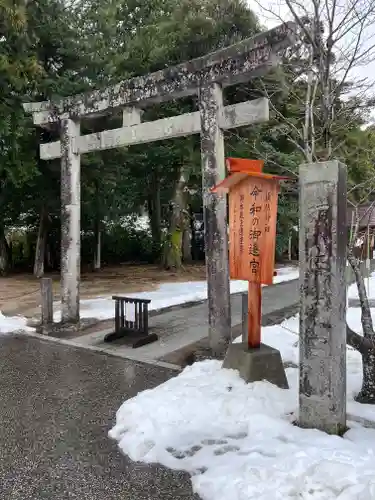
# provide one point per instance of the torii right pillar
(322, 265)
(215, 218)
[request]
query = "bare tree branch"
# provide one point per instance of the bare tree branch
(358, 342)
(366, 319)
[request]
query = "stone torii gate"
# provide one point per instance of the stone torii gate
(205, 77)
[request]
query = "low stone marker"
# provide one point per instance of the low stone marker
(46, 301)
(252, 221)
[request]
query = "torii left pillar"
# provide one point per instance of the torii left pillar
(70, 221)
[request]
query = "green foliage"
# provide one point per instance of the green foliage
(52, 48)
(18, 66)
(287, 221)
(192, 29)
(120, 244)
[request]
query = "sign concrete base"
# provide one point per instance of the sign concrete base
(262, 363)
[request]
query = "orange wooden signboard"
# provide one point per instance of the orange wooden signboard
(252, 223)
(252, 232)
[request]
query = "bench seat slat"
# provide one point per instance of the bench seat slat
(131, 299)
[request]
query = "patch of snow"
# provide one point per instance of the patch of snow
(134, 221)
(354, 318)
(237, 440)
(10, 324)
(286, 274)
(166, 295)
(370, 288)
(141, 223)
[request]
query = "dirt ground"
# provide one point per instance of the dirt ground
(20, 293)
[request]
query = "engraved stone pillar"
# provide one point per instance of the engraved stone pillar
(70, 221)
(215, 218)
(322, 261)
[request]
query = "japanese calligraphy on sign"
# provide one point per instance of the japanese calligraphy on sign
(252, 222)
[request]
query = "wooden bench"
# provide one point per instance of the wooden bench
(134, 330)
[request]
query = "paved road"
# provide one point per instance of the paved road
(57, 404)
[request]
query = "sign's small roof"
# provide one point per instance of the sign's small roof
(240, 169)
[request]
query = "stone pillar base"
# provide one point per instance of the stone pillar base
(263, 363)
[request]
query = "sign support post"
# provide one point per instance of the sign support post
(252, 223)
(254, 301)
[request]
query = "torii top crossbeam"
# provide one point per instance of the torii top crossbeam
(229, 66)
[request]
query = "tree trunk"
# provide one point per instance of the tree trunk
(49, 261)
(154, 212)
(290, 247)
(364, 344)
(97, 229)
(186, 246)
(366, 318)
(187, 237)
(40, 250)
(4, 253)
(172, 254)
(172, 258)
(52, 256)
(98, 247)
(367, 393)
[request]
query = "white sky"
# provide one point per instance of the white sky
(273, 12)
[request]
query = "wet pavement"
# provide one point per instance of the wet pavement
(57, 404)
(182, 326)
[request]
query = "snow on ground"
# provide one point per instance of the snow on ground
(166, 295)
(370, 288)
(10, 324)
(286, 274)
(238, 441)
